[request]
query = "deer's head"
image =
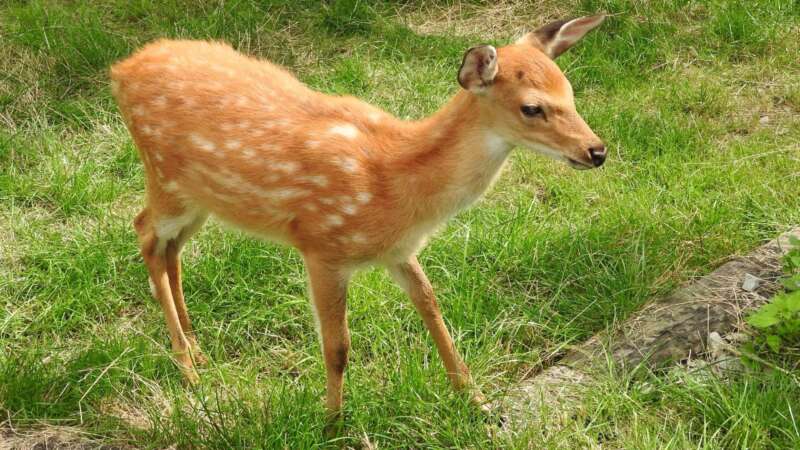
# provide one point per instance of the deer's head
(527, 98)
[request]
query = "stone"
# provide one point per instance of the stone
(751, 282)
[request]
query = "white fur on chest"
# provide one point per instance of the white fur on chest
(476, 174)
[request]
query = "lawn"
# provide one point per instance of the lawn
(698, 102)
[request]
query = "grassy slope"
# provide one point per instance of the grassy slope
(679, 91)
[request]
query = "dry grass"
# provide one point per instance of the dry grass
(503, 20)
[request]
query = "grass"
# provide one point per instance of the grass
(698, 102)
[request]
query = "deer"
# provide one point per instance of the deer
(346, 183)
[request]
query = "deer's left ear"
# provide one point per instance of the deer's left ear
(478, 68)
(557, 37)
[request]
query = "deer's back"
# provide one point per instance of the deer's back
(244, 139)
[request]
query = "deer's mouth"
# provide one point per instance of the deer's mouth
(575, 164)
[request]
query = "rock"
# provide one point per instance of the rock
(751, 282)
(716, 345)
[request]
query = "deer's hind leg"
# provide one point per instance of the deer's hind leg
(159, 230)
(173, 255)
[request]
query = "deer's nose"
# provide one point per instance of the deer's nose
(598, 154)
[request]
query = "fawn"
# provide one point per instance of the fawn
(344, 182)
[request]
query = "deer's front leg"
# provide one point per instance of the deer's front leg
(329, 292)
(412, 279)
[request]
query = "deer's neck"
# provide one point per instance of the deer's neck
(448, 160)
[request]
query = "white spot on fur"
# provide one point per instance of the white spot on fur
(311, 207)
(312, 144)
(233, 144)
(363, 197)
(326, 201)
(158, 156)
(244, 124)
(219, 196)
(147, 130)
(248, 153)
(347, 130)
(138, 110)
(289, 167)
(288, 193)
(357, 238)
(227, 179)
(319, 180)
(375, 117)
(202, 143)
(349, 209)
(348, 164)
(172, 186)
(160, 102)
(334, 220)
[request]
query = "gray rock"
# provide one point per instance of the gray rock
(751, 282)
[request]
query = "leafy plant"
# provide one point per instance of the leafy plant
(779, 320)
(792, 265)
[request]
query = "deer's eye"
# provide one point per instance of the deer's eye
(532, 111)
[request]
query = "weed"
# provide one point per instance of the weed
(779, 319)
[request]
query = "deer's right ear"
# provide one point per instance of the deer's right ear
(478, 68)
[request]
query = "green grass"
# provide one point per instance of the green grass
(677, 89)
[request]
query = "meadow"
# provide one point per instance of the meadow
(698, 103)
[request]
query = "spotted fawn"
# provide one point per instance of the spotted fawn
(348, 184)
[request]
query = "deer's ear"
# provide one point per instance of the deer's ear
(557, 37)
(478, 68)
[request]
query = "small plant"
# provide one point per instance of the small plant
(779, 320)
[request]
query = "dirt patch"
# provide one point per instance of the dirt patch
(698, 319)
(502, 20)
(52, 438)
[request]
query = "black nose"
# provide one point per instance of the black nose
(598, 154)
